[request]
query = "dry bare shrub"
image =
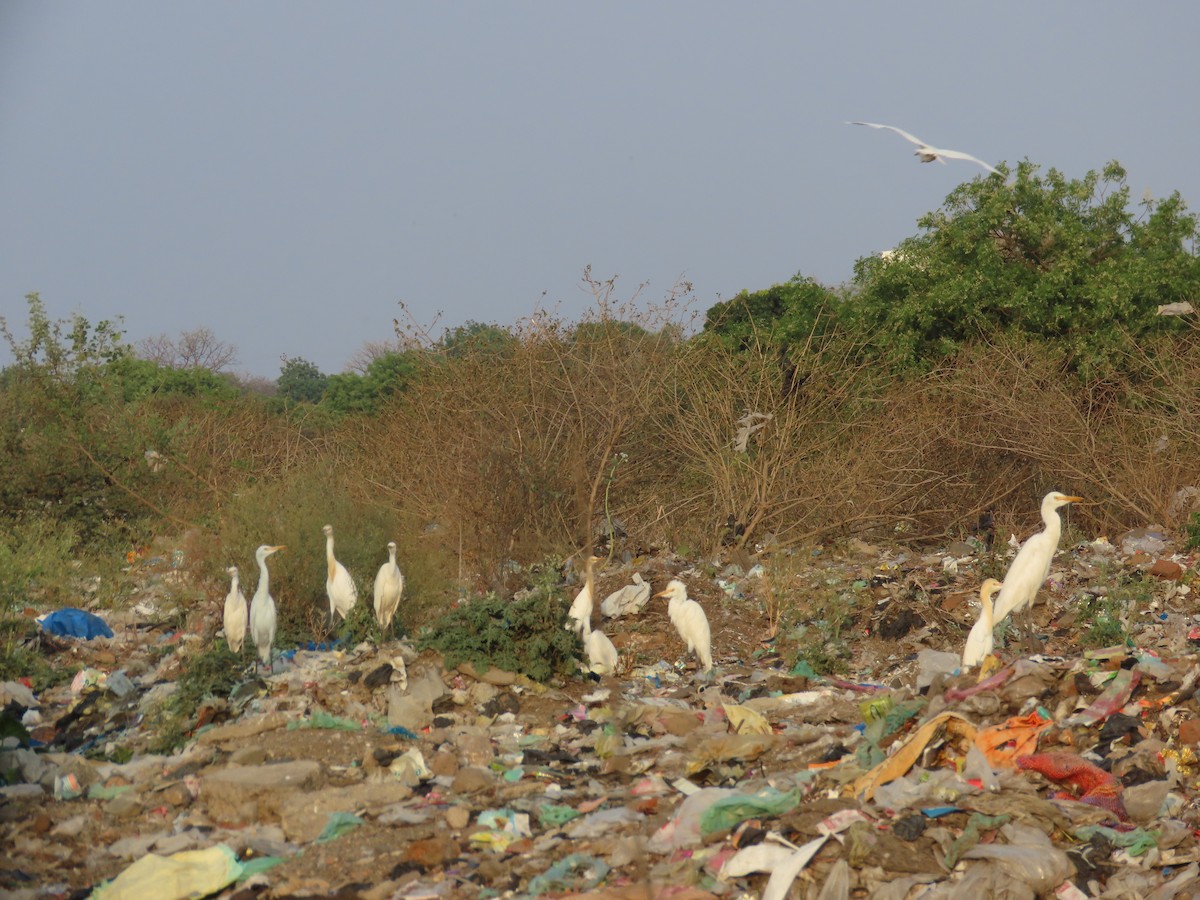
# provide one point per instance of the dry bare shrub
(198, 348)
(810, 470)
(1010, 422)
(511, 449)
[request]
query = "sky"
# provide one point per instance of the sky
(285, 174)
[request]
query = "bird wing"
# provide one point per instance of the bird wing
(900, 131)
(958, 154)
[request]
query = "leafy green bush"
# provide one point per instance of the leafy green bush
(1066, 261)
(1192, 529)
(525, 636)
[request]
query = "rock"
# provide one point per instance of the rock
(475, 749)
(407, 712)
(472, 779)
(458, 817)
(41, 823)
(239, 731)
(303, 815)
(176, 794)
(495, 676)
(1166, 569)
(252, 793)
(444, 763)
(431, 852)
(124, 806)
(248, 756)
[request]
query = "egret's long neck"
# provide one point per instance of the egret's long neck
(392, 555)
(332, 563)
(264, 577)
(1053, 522)
(233, 587)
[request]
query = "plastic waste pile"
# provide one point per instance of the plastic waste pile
(1055, 767)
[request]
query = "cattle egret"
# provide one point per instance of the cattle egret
(581, 608)
(338, 583)
(389, 585)
(262, 608)
(1032, 563)
(235, 613)
(628, 600)
(979, 641)
(926, 152)
(689, 620)
(601, 654)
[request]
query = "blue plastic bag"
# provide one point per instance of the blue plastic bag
(71, 622)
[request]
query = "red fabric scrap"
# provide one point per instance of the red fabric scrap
(1094, 786)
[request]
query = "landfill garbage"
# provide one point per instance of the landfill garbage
(873, 767)
(191, 873)
(71, 622)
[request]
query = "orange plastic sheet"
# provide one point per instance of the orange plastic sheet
(1018, 736)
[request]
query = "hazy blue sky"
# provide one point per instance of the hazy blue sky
(284, 173)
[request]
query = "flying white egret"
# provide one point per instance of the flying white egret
(1032, 563)
(690, 621)
(389, 585)
(927, 152)
(263, 618)
(581, 607)
(601, 654)
(979, 641)
(338, 583)
(235, 613)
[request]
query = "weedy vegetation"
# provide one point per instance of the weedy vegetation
(1011, 346)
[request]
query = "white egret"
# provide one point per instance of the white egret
(601, 654)
(389, 585)
(690, 621)
(338, 583)
(925, 151)
(581, 607)
(979, 641)
(235, 613)
(263, 618)
(1032, 563)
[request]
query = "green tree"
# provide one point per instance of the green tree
(386, 375)
(475, 337)
(1069, 261)
(301, 381)
(783, 314)
(141, 378)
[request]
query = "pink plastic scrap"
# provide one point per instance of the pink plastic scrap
(1112, 700)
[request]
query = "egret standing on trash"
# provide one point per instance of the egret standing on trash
(389, 585)
(1031, 566)
(263, 618)
(601, 653)
(581, 607)
(338, 583)
(979, 641)
(690, 621)
(235, 613)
